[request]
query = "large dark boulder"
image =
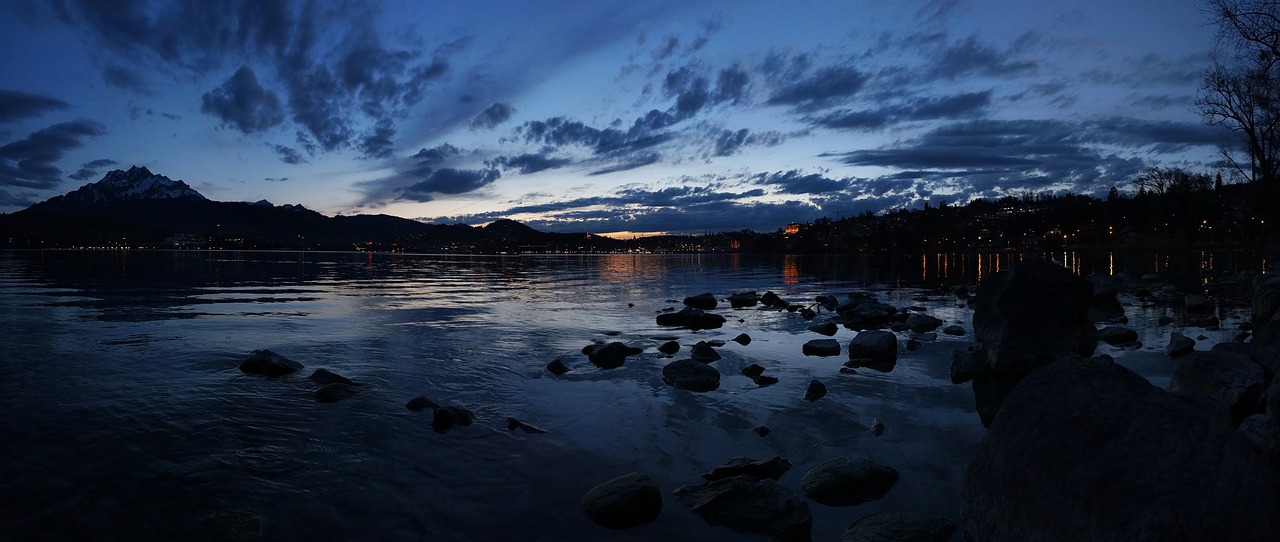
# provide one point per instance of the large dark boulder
(1179, 345)
(848, 480)
(922, 323)
(821, 347)
(1226, 375)
(691, 318)
(691, 375)
(750, 505)
(1266, 300)
(1028, 316)
(612, 355)
(770, 299)
(266, 362)
(701, 301)
(825, 328)
(899, 527)
(881, 347)
(629, 500)
(743, 299)
(1085, 449)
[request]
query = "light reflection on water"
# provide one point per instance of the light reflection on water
(129, 418)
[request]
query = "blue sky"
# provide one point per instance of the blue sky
(602, 116)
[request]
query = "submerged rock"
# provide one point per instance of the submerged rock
(899, 527)
(337, 391)
(449, 416)
(691, 375)
(629, 500)
(821, 347)
(704, 353)
(1119, 460)
(325, 376)
(772, 468)
(266, 362)
(750, 505)
(762, 431)
(420, 403)
(691, 318)
(815, 391)
(848, 480)
(514, 424)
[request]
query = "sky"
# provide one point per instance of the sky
(603, 115)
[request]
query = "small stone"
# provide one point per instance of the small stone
(762, 431)
(629, 500)
(1179, 345)
(669, 348)
(742, 339)
(704, 353)
(691, 375)
(266, 362)
(825, 328)
(752, 371)
(337, 391)
(764, 380)
(821, 347)
(877, 428)
(557, 367)
(954, 330)
(514, 424)
(325, 376)
(815, 391)
(448, 417)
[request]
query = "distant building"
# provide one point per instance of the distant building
(792, 229)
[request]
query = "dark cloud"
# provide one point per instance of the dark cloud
(918, 109)
(823, 88)
(531, 163)
(449, 181)
(243, 104)
(335, 72)
(127, 79)
(90, 170)
(730, 142)
(968, 56)
(288, 155)
(16, 105)
(31, 162)
(492, 116)
(410, 171)
(632, 161)
(795, 182)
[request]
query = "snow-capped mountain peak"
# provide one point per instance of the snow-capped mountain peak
(138, 183)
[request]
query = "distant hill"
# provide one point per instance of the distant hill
(140, 208)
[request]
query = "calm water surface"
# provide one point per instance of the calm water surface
(127, 418)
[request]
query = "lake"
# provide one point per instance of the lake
(127, 418)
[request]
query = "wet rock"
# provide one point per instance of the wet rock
(877, 427)
(923, 323)
(1266, 300)
(815, 391)
(705, 302)
(1165, 320)
(742, 339)
(821, 347)
(764, 380)
(704, 353)
(691, 318)
(449, 416)
(1231, 377)
(691, 375)
(420, 403)
(1028, 316)
(514, 424)
(912, 345)
(669, 348)
(762, 431)
(1116, 335)
(825, 328)
(1179, 345)
(772, 468)
(629, 500)
(324, 377)
(899, 527)
(337, 391)
(1263, 431)
(1084, 447)
(807, 313)
(954, 330)
(926, 337)
(899, 327)
(612, 355)
(750, 505)
(752, 371)
(828, 302)
(770, 299)
(557, 367)
(743, 299)
(879, 346)
(266, 362)
(715, 343)
(848, 480)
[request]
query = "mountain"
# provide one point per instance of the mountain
(140, 208)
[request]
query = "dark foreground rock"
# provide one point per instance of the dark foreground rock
(337, 391)
(612, 355)
(691, 375)
(848, 480)
(701, 301)
(447, 417)
(557, 367)
(1028, 316)
(629, 500)
(669, 348)
(742, 339)
(324, 377)
(821, 347)
(743, 299)
(922, 323)
(815, 391)
(899, 527)
(266, 362)
(1228, 376)
(1116, 335)
(750, 505)
(1179, 345)
(704, 353)
(879, 346)
(772, 468)
(1087, 450)
(826, 328)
